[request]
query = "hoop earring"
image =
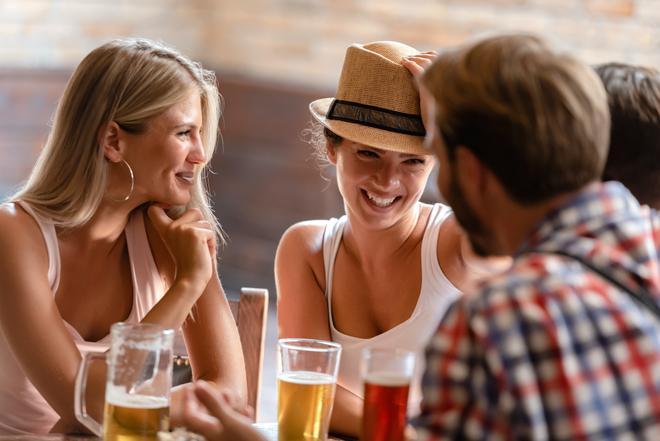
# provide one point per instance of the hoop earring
(130, 192)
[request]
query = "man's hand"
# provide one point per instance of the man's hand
(212, 414)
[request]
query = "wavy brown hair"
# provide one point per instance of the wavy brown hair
(536, 117)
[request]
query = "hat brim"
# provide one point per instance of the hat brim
(370, 136)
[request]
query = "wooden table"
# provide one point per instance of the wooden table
(51, 437)
(268, 429)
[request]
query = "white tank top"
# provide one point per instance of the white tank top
(22, 408)
(435, 296)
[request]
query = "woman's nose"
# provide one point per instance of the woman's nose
(197, 154)
(387, 177)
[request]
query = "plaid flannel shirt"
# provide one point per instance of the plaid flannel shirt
(550, 350)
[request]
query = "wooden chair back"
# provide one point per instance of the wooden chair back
(251, 314)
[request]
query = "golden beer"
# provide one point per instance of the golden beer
(304, 405)
(135, 418)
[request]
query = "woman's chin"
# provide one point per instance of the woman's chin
(173, 200)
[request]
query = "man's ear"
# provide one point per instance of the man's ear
(479, 184)
(473, 173)
(467, 162)
(109, 139)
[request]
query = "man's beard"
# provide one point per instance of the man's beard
(467, 218)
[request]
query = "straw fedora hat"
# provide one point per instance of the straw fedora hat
(377, 103)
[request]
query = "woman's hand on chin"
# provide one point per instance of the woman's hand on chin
(191, 241)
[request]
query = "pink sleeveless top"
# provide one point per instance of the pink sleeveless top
(22, 408)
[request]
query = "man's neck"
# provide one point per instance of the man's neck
(518, 221)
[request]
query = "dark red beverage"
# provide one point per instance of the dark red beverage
(385, 405)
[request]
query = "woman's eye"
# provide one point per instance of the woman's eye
(415, 161)
(367, 153)
(184, 134)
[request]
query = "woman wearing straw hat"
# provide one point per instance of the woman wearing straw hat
(383, 274)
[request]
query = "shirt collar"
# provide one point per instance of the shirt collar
(597, 205)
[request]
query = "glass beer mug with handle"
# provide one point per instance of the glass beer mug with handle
(306, 381)
(137, 390)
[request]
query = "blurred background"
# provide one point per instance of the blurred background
(272, 57)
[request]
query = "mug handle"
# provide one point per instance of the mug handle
(79, 405)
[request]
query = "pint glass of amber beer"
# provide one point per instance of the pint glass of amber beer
(137, 390)
(307, 373)
(387, 374)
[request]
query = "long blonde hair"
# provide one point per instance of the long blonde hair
(127, 81)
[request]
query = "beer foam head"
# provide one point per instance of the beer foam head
(306, 377)
(387, 379)
(119, 397)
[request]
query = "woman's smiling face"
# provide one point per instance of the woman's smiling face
(168, 155)
(379, 186)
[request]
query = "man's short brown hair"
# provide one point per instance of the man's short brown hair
(537, 118)
(634, 156)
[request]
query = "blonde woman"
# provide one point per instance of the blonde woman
(113, 225)
(383, 274)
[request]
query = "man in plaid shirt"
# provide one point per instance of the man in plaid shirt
(551, 349)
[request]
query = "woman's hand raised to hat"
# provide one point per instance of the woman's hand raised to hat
(416, 64)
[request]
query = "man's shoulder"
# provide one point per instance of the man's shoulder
(530, 277)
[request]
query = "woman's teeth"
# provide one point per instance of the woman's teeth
(380, 201)
(187, 177)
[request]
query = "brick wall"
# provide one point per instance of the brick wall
(272, 58)
(303, 41)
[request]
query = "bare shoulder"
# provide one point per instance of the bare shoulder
(18, 230)
(300, 253)
(449, 237)
(303, 237)
(300, 280)
(23, 253)
(12, 214)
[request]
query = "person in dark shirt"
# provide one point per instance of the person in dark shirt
(634, 99)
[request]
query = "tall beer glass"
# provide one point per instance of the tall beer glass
(307, 373)
(139, 379)
(387, 374)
